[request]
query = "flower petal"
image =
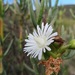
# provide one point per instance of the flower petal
(46, 27)
(49, 49)
(44, 50)
(30, 36)
(40, 55)
(36, 54)
(38, 30)
(35, 33)
(49, 41)
(42, 28)
(49, 31)
(54, 34)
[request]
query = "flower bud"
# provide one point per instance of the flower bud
(72, 44)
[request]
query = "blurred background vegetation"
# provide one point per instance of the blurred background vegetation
(17, 20)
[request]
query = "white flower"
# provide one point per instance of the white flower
(39, 41)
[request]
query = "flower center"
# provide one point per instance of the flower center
(40, 41)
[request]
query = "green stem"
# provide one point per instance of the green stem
(27, 67)
(63, 48)
(53, 54)
(34, 66)
(1, 8)
(32, 13)
(72, 13)
(41, 13)
(49, 3)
